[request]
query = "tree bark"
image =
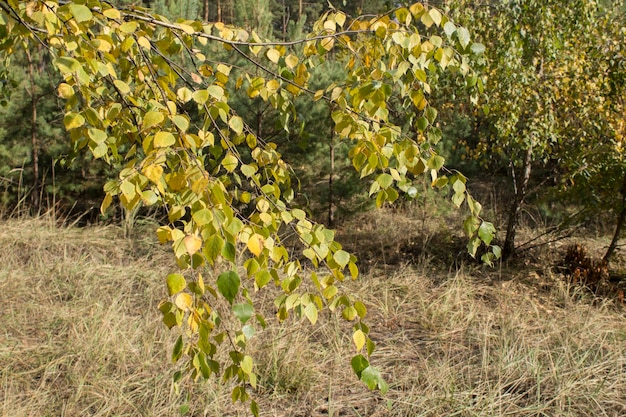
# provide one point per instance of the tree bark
(621, 219)
(521, 187)
(35, 194)
(331, 156)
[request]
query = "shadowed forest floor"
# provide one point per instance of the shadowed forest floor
(81, 335)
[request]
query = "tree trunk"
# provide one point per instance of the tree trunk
(520, 187)
(621, 219)
(35, 200)
(331, 156)
(205, 14)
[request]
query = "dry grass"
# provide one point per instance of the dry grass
(80, 336)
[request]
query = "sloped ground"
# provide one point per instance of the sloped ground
(80, 336)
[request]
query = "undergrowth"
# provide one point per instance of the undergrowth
(81, 336)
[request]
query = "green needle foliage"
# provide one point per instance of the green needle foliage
(153, 95)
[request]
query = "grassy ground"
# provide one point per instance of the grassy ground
(80, 336)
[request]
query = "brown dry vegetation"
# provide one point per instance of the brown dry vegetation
(80, 335)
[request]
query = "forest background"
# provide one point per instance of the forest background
(549, 127)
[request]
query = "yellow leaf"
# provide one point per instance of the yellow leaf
(187, 29)
(153, 172)
(66, 91)
(121, 86)
(184, 301)
(359, 339)
(192, 243)
(112, 13)
(164, 140)
(144, 42)
(328, 43)
(255, 244)
(273, 55)
(291, 61)
(152, 118)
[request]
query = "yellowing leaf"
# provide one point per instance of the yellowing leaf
(184, 94)
(246, 364)
(328, 43)
(175, 283)
(128, 27)
(200, 96)
(73, 120)
(215, 91)
(81, 13)
(152, 118)
(192, 243)
(181, 122)
(236, 123)
(230, 162)
(255, 244)
(164, 139)
(112, 13)
(311, 313)
(121, 86)
(342, 258)
(65, 91)
(97, 135)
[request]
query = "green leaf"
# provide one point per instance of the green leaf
(67, 64)
(262, 278)
(228, 285)
(213, 248)
(384, 180)
(81, 13)
(177, 352)
(486, 232)
(175, 283)
(229, 252)
(359, 363)
(435, 162)
(472, 246)
(243, 312)
(372, 378)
